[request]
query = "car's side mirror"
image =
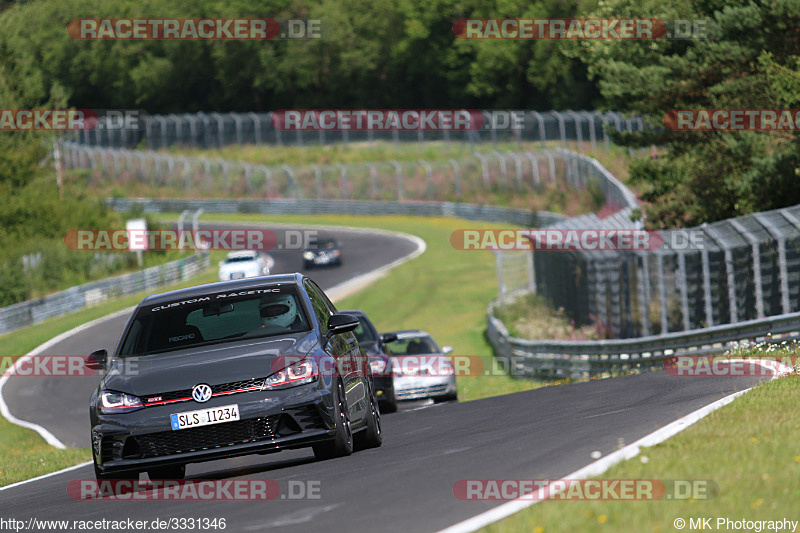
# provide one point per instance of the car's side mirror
(341, 324)
(386, 338)
(447, 350)
(97, 360)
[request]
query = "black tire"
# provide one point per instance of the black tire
(372, 437)
(308, 266)
(342, 444)
(389, 405)
(167, 472)
(449, 398)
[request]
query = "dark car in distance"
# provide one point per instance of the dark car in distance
(381, 364)
(326, 253)
(229, 369)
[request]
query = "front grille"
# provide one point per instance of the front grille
(420, 392)
(208, 437)
(186, 394)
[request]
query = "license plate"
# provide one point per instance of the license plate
(237, 275)
(205, 417)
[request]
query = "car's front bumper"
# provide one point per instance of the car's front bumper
(419, 387)
(269, 421)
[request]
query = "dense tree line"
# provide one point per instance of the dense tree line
(382, 53)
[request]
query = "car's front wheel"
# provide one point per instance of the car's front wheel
(372, 437)
(342, 444)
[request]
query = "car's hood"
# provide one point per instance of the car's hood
(214, 364)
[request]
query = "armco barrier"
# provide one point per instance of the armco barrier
(34, 311)
(577, 359)
(519, 217)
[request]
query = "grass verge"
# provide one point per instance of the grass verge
(748, 448)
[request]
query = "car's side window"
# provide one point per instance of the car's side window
(321, 309)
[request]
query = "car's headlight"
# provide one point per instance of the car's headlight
(293, 375)
(378, 366)
(118, 402)
(308, 255)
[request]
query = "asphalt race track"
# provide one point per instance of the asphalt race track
(407, 484)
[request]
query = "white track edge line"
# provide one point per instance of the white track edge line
(601, 465)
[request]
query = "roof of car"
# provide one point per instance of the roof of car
(237, 285)
(409, 333)
(242, 253)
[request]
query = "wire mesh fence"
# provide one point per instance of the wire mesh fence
(215, 130)
(727, 272)
(471, 176)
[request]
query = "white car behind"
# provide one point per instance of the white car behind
(245, 264)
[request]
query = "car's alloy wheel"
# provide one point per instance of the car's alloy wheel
(372, 437)
(342, 443)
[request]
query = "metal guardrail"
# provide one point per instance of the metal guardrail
(60, 303)
(576, 359)
(486, 213)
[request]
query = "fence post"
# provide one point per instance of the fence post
(484, 169)
(503, 169)
(707, 287)
(534, 168)
(238, 120)
(729, 271)
(267, 180)
(758, 280)
(293, 190)
(317, 179)
(662, 293)
(501, 285)
(540, 119)
(517, 168)
(456, 177)
(428, 178)
(256, 127)
(551, 162)
(784, 275)
(343, 181)
(644, 292)
(531, 272)
(683, 287)
(220, 129)
(578, 130)
(562, 129)
(398, 169)
(373, 180)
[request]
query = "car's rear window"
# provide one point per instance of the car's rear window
(214, 318)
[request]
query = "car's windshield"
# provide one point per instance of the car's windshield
(412, 346)
(363, 332)
(240, 259)
(215, 318)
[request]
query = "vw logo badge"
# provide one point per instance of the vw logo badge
(201, 393)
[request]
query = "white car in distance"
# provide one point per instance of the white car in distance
(245, 264)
